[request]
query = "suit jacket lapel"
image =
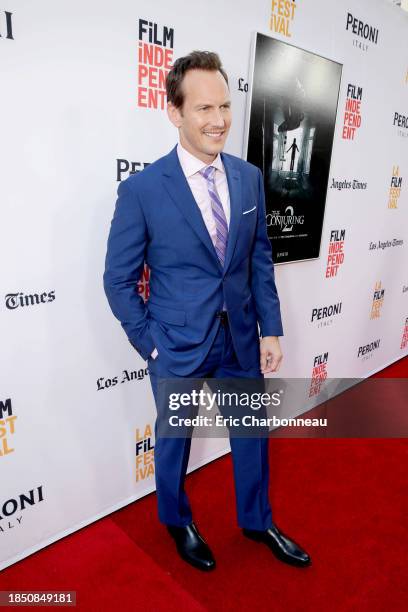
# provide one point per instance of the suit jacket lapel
(235, 194)
(179, 190)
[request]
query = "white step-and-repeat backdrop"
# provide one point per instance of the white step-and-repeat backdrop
(79, 112)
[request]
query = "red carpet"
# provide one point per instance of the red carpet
(106, 569)
(344, 500)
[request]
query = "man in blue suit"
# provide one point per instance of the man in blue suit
(197, 217)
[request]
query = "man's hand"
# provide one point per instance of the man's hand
(271, 354)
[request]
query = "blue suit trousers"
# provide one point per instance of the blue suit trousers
(249, 455)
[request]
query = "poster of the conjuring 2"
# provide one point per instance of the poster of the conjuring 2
(291, 118)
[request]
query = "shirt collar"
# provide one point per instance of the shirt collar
(191, 164)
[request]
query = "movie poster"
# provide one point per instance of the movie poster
(289, 136)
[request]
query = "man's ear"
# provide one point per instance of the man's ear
(174, 114)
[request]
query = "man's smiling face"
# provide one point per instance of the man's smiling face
(204, 119)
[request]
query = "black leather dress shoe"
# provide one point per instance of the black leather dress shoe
(191, 546)
(282, 547)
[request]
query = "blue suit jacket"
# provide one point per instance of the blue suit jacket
(157, 220)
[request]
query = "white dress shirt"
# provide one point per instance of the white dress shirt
(191, 167)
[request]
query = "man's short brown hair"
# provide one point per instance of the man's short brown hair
(201, 60)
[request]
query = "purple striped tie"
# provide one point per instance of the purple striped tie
(218, 213)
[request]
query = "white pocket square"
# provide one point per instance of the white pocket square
(248, 211)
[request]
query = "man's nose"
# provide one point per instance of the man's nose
(217, 118)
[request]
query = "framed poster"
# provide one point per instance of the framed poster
(291, 118)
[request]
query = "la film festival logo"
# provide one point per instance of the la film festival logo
(404, 339)
(335, 257)
(366, 351)
(362, 31)
(125, 168)
(155, 57)
(395, 188)
(378, 300)
(144, 454)
(352, 112)
(7, 427)
(282, 15)
(6, 25)
(11, 510)
(319, 373)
